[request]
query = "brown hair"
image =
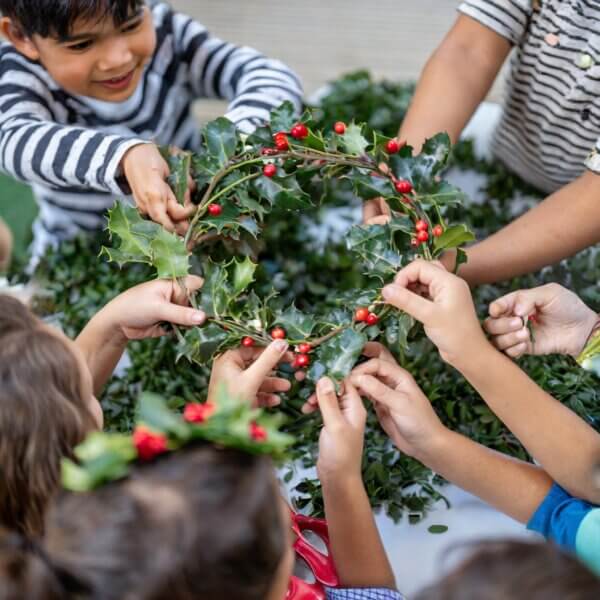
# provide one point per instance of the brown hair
(43, 415)
(499, 570)
(203, 523)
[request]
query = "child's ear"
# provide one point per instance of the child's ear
(23, 43)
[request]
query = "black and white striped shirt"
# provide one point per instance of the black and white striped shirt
(69, 148)
(550, 129)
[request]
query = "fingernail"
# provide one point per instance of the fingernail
(198, 317)
(516, 323)
(387, 292)
(281, 345)
(523, 334)
(326, 386)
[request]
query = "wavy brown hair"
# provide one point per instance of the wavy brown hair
(43, 415)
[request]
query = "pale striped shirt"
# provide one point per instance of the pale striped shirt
(69, 148)
(550, 129)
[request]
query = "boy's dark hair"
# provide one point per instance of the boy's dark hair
(202, 523)
(518, 570)
(55, 18)
(43, 416)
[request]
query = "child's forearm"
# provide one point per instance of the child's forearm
(514, 487)
(563, 444)
(102, 345)
(357, 550)
(455, 80)
(565, 223)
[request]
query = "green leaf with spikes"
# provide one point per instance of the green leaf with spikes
(243, 275)
(354, 141)
(298, 325)
(179, 166)
(221, 138)
(453, 237)
(201, 344)
(283, 118)
(283, 192)
(374, 245)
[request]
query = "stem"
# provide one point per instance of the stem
(233, 186)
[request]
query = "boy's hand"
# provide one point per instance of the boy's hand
(342, 436)
(147, 172)
(404, 412)
(376, 212)
(248, 373)
(138, 313)
(561, 322)
(447, 311)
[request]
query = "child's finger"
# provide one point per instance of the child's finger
(158, 213)
(391, 373)
(266, 362)
(267, 400)
(377, 350)
(510, 340)
(517, 351)
(275, 384)
(180, 315)
(413, 304)
(310, 406)
(503, 325)
(328, 402)
(176, 211)
(180, 294)
(352, 406)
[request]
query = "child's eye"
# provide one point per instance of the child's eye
(131, 27)
(80, 46)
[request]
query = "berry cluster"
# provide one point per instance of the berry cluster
(364, 315)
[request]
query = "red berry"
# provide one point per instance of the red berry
(421, 225)
(533, 318)
(438, 230)
(361, 314)
(372, 319)
(414, 242)
(269, 170)
(340, 128)
(214, 210)
(299, 131)
(149, 444)
(281, 142)
(199, 413)
(392, 147)
(422, 236)
(278, 333)
(304, 348)
(302, 360)
(257, 432)
(404, 186)
(248, 342)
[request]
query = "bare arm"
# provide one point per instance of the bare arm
(455, 80)
(565, 223)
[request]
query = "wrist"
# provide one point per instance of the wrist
(588, 331)
(475, 358)
(433, 447)
(339, 480)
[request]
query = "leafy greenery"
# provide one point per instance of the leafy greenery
(328, 280)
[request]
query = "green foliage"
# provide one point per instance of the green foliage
(330, 282)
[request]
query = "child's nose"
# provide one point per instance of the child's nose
(114, 54)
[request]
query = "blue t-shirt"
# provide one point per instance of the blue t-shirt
(571, 523)
(363, 594)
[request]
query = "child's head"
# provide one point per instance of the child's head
(518, 570)
(94, 48)
(46, 409)
(202, 523)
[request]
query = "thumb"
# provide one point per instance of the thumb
(354, 409)
(260, 369)
(181, 315)
(404, 299)
(328, 402)
(520, 304)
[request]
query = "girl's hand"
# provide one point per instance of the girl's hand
(248, 374)
(342, 436)
(138, 313)
(561, 322)
(404, 412)
(444, 306)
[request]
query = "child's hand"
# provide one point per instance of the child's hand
(447, 312)
(147, 172)
(561, 322)
(376, 212)
(139, 312)
(404, 412)
(342, 436)
(247, 373)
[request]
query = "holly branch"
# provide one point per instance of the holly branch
(291, 166)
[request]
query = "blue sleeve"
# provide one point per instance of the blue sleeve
(559, 517)
(363, 594)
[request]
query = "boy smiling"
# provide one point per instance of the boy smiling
(90, 88)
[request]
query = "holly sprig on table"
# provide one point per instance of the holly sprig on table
(290, 165)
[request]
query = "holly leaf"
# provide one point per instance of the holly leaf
(337, 357)
(170, 256)
(283, 118)
(370, 185)
(221, 138)
(154, 412)
(453, 237)
(216, 294)
(397, 330)
(201, 344)
(283, 192)
(298, 325)
(437, 529)
(353, 140)
(204, 168)
(179, 165)
(374, 246)
(442, 194)
(243, 275)
(227, 220)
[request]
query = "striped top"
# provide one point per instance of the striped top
(70, 148)
(550, 127)
(571, 523)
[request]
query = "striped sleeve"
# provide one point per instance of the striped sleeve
(571, 523)
(253, 83)
(362, 594)
(36, 149)
(508, 18)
